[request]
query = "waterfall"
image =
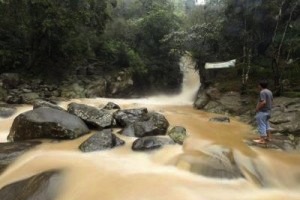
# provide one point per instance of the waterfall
(189, 88)
(191, 79)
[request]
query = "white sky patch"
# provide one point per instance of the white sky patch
(200, 2)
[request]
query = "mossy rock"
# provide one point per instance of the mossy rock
(178, 134)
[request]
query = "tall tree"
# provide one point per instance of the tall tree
(135, 42)
(252, 31)
(43, 35)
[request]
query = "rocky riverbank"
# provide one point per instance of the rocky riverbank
(15, 89)
(284, 120)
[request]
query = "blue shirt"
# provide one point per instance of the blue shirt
(267, 96)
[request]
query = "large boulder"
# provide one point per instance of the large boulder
(151, 143)
(213, 93)
(46, 123)
(44, 186)
(12, 150)
(212, 100)
(101, 140)
(98, 118)
(286, 122)
(202, 99)
(128, 116)
(285, 115)
(149, 124)
(232, 101)
(215, 161)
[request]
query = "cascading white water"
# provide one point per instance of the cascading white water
(189, 88)
(191, 80)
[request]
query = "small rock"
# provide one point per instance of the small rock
(178, 134)
(151, 143)
(220, 119)
(7, 112)
(111, 106)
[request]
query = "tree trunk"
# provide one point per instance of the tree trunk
(203, 75)
(278, 81)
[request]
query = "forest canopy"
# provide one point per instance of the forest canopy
(148, 37)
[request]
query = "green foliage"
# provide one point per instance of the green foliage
(256, 33)
(52, 37)
(153, 28)
(122, 56)
(147, 37)
(134, 37)
(43, 36)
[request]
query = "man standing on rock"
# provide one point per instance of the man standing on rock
(263, 112)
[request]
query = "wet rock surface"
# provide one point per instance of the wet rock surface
(129, 116)
(101, 140)
(6, 111)
(44, 186)
(278, 142)
(12, 150)
(220, 119)
(94, 117)
(285, 115)
(215, 162)
(150, 124)
(151, 143)
(41, 103)
(46, 123)
(178, 134)
(111, 106)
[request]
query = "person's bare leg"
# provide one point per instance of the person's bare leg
(262, 140)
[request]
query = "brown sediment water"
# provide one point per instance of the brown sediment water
(121, 173)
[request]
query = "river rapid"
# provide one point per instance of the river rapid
(121, 173)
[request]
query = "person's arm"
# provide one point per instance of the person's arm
(262, 102)
(260, 105)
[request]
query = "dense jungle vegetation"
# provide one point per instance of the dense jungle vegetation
(147, 37)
